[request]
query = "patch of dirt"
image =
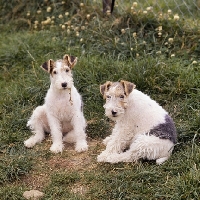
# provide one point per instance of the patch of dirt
(69, 160)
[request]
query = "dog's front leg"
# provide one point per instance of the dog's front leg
(79, 125)
(117, 142)
(56, 134)
(115, 145)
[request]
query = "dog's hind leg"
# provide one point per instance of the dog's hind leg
(38, 124)
(143, 147)
(161, 160)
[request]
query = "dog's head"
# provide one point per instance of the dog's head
(60, 71)
(116, 95)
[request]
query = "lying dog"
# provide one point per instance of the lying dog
(143, 129)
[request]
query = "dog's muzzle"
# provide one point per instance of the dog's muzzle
(114, 113)
(64, 85)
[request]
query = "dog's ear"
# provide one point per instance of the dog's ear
(104, 88)
(128, 86)
(70, 60)
(48, 66)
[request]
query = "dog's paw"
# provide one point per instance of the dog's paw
(114, 158)
(160, 161)
(106, 140)
(29, 143)
(82, 146)
(100, 158)
(56, 148)
(103, 157)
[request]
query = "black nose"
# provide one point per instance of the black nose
(64, 85)
(114, 113)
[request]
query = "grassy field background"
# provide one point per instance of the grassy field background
(159, 54)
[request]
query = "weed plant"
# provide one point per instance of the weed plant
(159, 54)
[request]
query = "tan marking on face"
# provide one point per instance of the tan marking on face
(62, 67)
(116, 90)
(70, 60)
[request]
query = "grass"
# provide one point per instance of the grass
(160, 55)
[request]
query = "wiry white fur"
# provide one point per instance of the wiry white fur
(137, 114)
(61, 115)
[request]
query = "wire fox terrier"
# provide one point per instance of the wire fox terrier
(62, 113)
(143, 129)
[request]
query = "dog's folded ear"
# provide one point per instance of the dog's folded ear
(128, 86)
(70, 60)
(104, 88)
(48, 66)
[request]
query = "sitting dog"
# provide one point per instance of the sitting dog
(143, 129)
(62, 113)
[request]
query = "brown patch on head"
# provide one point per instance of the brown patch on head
(128, 87)
(48, 66)
(104, 88)
(70, 60)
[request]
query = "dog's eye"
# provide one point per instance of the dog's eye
(121, 97)
(55, 72)
(67, 70)
(108, 96)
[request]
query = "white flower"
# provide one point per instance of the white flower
(170, 40)
(149, 8)
(77, 34)
(134, 34)
(76, 28)
(49, 9)
(169, 11)
(47, 21)
(176, 17)
(88, 16)
(81, 4)
(63, 26)
(60, 16)
(144, 12)
(108, 12)
(123, 31)
(135, 4)
(194, 62)
(159, 28)
(67, 13)
(172, 55)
